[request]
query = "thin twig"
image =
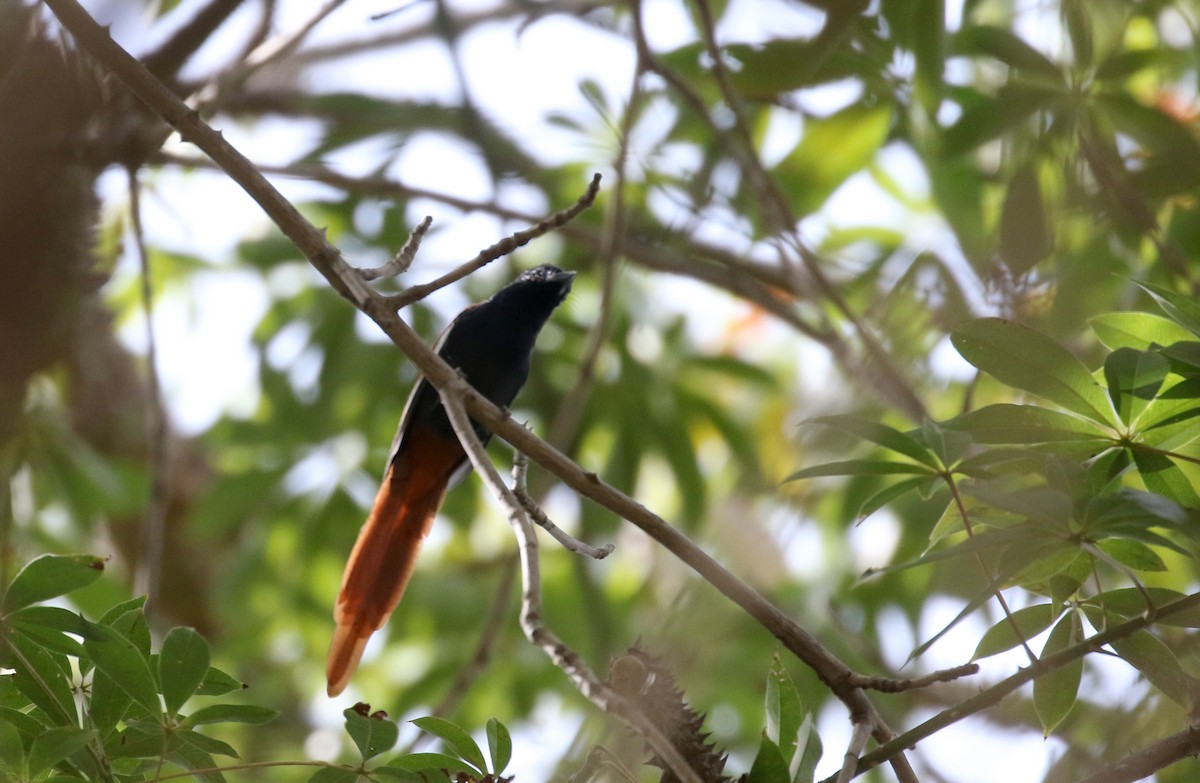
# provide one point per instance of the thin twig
(521, 492)
(890, 685)
(858, 741)
(152, 544)
(498, 250)
(265, 52)
(948, 477)
(403, 259)
(993, 694)
(535, 630)
(1155, 758)
(757, 283)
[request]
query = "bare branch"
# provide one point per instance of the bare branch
(535, 630)
(890, 685)
(151, 546)
(995, 693)
(569, 542)
(1155, 758)
(498, 250)
(858, 741)
(403, 259)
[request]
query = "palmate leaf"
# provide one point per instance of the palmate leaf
(1028, 360)
(987, 118)
(892, 492)
(1026, 424)
(1162, 476)
(1183, 310)
(1136, 330)
(1005, 46)
(877, 432)
(1134, 378)
(832, 149)
(860, 467)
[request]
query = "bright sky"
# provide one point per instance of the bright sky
(518, 77)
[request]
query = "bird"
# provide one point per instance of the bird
(491, 344)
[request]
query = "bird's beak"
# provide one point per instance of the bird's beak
(565, 279)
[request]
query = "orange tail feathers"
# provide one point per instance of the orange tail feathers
(385, 554)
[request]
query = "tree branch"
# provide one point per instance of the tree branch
(1155, 758)
(591, 686)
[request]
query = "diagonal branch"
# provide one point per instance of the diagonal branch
(591, 686)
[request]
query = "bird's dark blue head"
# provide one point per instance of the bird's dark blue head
(535, 293)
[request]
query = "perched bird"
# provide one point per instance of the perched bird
(491, 344)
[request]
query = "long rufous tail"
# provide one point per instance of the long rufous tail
(385, 555)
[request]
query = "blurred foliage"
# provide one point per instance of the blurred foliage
(1017, 185)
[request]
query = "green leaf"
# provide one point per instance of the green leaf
(218, 683)
(334, 775)
(109, 703)
(785, 712)
(50, 576)
(769, 765)
(928, 46)
(1025, 236)
(189, 756)
(1134, 378)
(456, 739)
(206, 743)
(1132, 554)
(54, 745)
(1174, 164)
(882, 434)
(499, 745)
(1025, 424)
(832, 149)
(1028, 360)
(230, 713)
(182, 665)
(1055, 692)
(890, 493)
(1139, 331)
(47, 626)
(1123, 64)
(372, 734)
(1078, 19)
(1031, 620)
(1163, 476)
(120, 659)
(43, 677)
(1150, 656)
(808, 751)
(12, 750)
(1005, 46)
(859, 467)
(1129, 602)
(420, 762)
(987, 118)
(1181, 309)
(949, 445)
